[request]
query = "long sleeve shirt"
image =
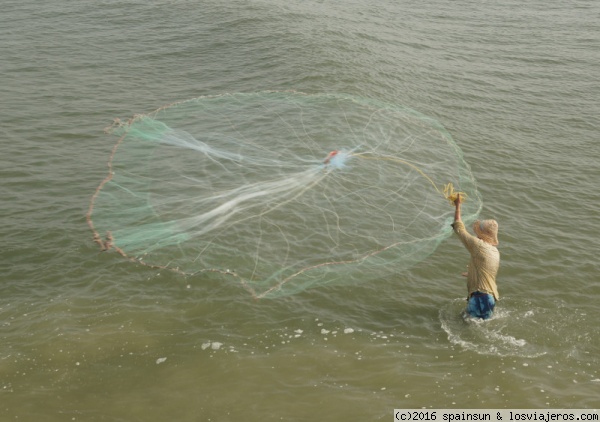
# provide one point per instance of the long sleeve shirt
(484, 264)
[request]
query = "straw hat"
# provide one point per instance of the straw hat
(487, 230)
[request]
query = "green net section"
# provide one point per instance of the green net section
(280, 191)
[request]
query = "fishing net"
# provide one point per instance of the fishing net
(280, 191)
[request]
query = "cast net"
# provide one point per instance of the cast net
(280, 191)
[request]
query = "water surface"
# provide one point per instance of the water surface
(87, 335)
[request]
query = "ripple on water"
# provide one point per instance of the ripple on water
(516, 329)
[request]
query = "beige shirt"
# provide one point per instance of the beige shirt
(484, 264)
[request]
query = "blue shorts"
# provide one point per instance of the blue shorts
(481, 305)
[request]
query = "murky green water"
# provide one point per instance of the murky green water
(87, 335)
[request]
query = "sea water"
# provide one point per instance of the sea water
(86, 335)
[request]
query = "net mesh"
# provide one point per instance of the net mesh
(280, 191)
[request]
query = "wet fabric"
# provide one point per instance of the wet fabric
(481, 305)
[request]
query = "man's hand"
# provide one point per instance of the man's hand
(458, 200)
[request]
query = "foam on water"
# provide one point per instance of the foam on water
(514, 82)
(500, 335)
(316, 334)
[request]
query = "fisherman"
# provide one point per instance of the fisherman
(482, 292)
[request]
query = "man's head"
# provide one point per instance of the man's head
(487, 230)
